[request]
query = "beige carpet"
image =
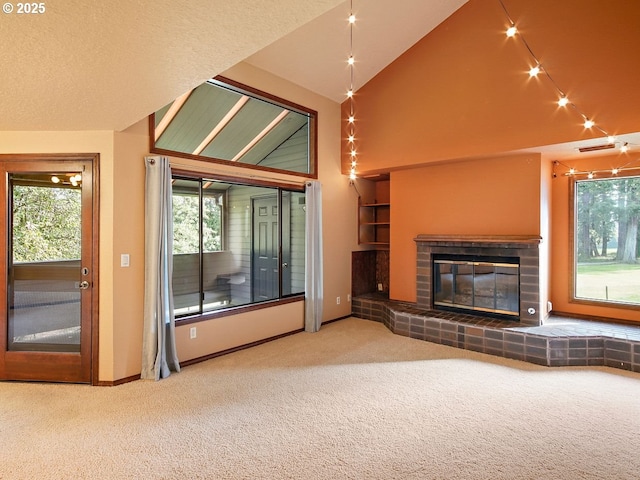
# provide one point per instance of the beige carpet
(350, 402)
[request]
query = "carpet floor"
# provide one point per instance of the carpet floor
(352, 401)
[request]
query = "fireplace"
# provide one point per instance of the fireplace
(496, 275)
(484, 285)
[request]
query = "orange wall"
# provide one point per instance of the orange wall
(441, 117)
(464, 91)
(560, 245)
(499, 196)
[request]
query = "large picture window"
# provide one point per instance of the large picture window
(606, 240)
(235, 244)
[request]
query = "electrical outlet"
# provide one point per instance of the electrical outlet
(348, 297)
(192, 333)
(549, 307)
(379, 287)
(337, 300)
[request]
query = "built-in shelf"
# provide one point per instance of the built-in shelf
(374, 224)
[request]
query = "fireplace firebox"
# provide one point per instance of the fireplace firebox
(484, 285)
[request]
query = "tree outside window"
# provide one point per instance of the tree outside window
(607, 240)
(45, 225)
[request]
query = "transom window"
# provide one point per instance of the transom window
(222, 121)
(235, 244)
(606, 243)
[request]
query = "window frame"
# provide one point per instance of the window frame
(235, 310)
(573, 245)
(253, 92)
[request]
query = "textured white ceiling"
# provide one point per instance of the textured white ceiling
(315, 55)
(104, 65)
(84, 65)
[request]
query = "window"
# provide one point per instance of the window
(606, 241)
(222, 121)
(235, 244)
(45, 226)
(190, 224)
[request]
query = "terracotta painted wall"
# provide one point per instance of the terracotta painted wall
(560, 279)
(483, 197)
(464, 91)
(462, 95)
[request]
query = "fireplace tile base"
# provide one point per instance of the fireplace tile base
(552, 347)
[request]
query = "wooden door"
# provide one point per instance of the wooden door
(48, 268)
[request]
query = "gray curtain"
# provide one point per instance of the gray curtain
(313, 260)
(159, 355)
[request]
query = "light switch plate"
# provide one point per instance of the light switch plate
(124, 260)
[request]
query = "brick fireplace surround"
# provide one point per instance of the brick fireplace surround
(553, 341)
(523, 247)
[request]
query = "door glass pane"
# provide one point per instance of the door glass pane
(43, 290)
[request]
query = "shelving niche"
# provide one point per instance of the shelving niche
(374, 217)
(370, 264)
(374, 224)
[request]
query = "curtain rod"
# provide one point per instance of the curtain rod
(214, 171)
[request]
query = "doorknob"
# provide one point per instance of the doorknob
(83, 285)
(285, 265)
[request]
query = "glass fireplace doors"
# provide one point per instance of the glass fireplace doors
(481, 286)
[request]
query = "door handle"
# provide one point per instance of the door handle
(285, 265)
(83, 285)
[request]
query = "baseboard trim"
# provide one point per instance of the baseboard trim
(120, 381)
(337, 319)
(204, 358)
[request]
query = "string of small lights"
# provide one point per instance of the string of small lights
(571, 171)
(536, 68)
(351, 120)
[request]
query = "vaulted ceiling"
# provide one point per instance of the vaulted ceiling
(105, 65)
(84, 65)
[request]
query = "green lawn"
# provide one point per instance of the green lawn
(608, 281)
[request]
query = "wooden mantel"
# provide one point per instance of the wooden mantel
(480, 239)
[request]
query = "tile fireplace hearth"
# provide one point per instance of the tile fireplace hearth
(558, 342)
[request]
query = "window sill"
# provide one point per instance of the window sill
(225, 312)
(605, 303)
